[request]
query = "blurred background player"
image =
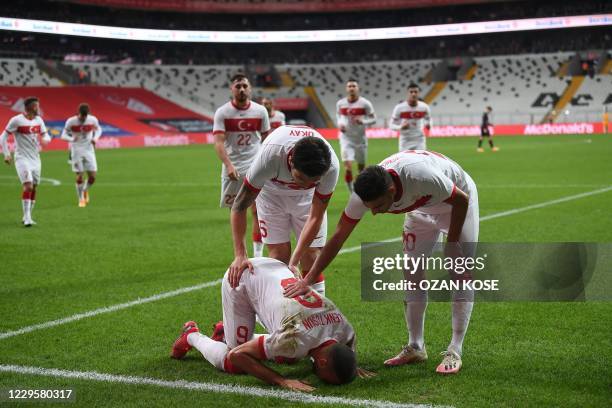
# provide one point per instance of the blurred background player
(292, 180)
(438, 196)
(239, 126)
(305, 326)
(485, 132)
(277, 118)
(83, 131)
(353, 114)
(409, 118)
(26, 128)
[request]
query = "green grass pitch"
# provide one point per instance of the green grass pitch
(154, 225)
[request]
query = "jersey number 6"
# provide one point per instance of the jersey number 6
(311, 300)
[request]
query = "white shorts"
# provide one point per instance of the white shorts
(229, 191)
(412, 144)
(280, 214)
(84, 160)
(351, 150)
(422, 231)
(28, 170)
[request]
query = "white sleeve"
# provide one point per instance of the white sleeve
(264, 167)
(265, 121)
(11, 127)
(428, 116)
(327, 185)
(339, 120)
(370, 116)
(282, 115)
(67, 133)
(354, 210)
(396, 120)
(97, 130)
(43, 131)
(219, 122)
(434, 188)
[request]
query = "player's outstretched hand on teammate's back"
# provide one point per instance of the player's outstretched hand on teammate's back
(297, 385)
(297, 288)
(236, 268)
(363, 373)
(295, 270)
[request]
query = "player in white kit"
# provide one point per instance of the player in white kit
(409, 118)
(353, 114)
(277, 118)
(239, 127)
(83, 131)
(438, 196)
(26, 128)
(292, 180)
(301, 327)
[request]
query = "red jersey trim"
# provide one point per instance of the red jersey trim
(418, 203)
(239, 108)
(348, 219)
(216, 132)
(228, 367)
(453, 193)
(399, 189)
(262, 350)
(323, 196)
(250, 186)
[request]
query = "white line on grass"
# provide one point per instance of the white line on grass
(52, 181)
(108, 309)
(207, 387)
(176, 292)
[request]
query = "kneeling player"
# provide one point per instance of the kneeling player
(83, 131)
(300, 327)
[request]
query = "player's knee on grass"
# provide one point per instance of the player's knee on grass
(337, 364)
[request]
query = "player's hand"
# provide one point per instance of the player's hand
(296, 385)
(427, 127)
(343, 129)
(45, 140)
(295, 270)
(93, 142)
(8, 159)
(232, 173)
(363, 373)
(405, 126)
(297, 288)
(236, 268)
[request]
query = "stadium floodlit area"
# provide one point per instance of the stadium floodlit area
(92, 299)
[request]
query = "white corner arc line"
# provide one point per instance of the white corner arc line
(208, 387)
(176, 292)
(108, 309)
(52, 181)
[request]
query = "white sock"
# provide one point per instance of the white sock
(257, 249)
(79, 189)
(32, 206)
(27, 208)
(463, 303)
(86, 186)
(414, 313)
(213, 351)
(349, 185)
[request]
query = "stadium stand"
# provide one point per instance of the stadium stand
(24, 72)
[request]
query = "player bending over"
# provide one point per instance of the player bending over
(292, 180)
(83, 131)
(438, 196)
(353, 114)
(304, 326)
(26, 128)
(484, 131)
(409, 118)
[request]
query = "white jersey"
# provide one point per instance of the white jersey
(243, 128)
(296, 325)
(415, 116)
(348, 113)
(271, 166)
(81, 134)
(277, 119)
(26, 132)
(424, 182)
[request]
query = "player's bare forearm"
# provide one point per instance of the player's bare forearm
(220, 149)
(238, 218)
(264, 135)
(459, 202)
(311, 228)
(246, 357)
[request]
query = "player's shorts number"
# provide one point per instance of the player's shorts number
(229, 199)
(242, 334)
(244, 139)
(310, 300)
(262, 228)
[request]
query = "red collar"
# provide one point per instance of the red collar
(324, 344)
(399, 190)
(239, 108)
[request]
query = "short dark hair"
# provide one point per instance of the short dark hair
(84, 109)
(352, 80)
(29, 100)
(344, 363)
(311, 156)
(489, 108)
(414, 85)
(372, 183)
(238, 77)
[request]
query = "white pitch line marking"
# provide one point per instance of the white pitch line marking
(208, 387)
(52, 181)
(176, 292)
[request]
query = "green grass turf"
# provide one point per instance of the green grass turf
(154, 225)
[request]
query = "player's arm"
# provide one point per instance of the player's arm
(46, 138)
(459, 202)
(265, 129)
(370, 117)
(340, 119)
(396, 122)
(220, 137)
(97, 132)
(67, 133)
(238, 219)
(264, 135)
(328, 253)
(428, 118)
(311, 228)
(5, 148)
(247, 358)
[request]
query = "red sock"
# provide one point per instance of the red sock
(348, 176)
(26, 195)
(91, 180)
(256, 236)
